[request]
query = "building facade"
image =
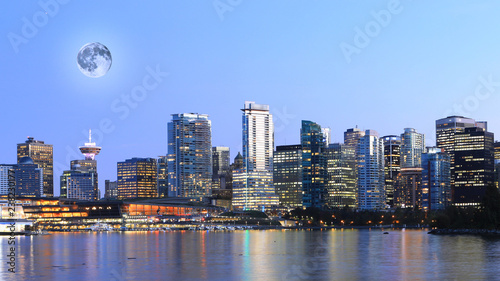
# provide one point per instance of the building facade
(42, 155)
(436, 185)
(162, 176)
(110, 189)
(220, 166)
(392, 165)
(29, 178)
(137, 178)
(473, 166)
(313, 165)
(287, 175)
(408, 188)
(412, 147)
(253, 184)
(341, 176)
(189, 156)
(370, 167)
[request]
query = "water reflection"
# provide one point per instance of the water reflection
(250, 255)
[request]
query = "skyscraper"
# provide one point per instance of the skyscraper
(137, 178)
(370, 167)
(253, 184)
(287, 175)
(447, 127)
(81, 182)
(352, 136)
(313, 165)
(340, 182)
(41, 154)
(474, 166)
(436, 188)
(412, 147)
(220, 166)
(392, 165)
(162, 177)
(189, 155)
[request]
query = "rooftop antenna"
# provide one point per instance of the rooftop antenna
(90, 135)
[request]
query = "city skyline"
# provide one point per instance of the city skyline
(288, 56)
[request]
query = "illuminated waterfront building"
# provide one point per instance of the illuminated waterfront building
(42, 155)
(189, 156)
(436, 186)
(313, 165)
(341, 176)
(137, 178)
(474, 165)
(370, 167)
(287, 175)
(253, 184)
(412, 147)
(392, 166)
(220, 166)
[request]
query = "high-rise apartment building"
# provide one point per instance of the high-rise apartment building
(474, 165)
(340, 182)
(287, 176)
(137, 178)
(436, 186)
(412, 147)
(189, 156)
(370, 167)
(29, 178)
(313, 165)
(42, 155)
(253, 184)
(392, 166)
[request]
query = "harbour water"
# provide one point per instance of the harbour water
(254, 255)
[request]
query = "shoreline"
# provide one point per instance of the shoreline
(465, 231)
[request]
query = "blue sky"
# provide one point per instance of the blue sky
(418, 62)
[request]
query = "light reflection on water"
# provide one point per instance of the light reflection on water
(252, 255)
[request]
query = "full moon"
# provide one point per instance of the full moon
(94, 59)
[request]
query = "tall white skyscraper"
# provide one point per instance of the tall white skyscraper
(253, 184)
(371, 184)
